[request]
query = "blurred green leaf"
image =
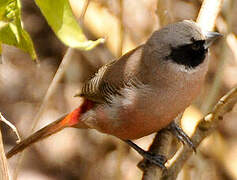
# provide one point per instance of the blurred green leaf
(11, 30)
(61, 19)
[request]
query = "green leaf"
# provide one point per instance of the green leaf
(11, 30)
(59, 16)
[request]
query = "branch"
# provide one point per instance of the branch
(204, 128)
(161, 145)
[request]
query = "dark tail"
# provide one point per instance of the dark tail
(70, 120)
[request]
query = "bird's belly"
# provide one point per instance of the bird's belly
(138, 113)
(132, 121)
(133, 124)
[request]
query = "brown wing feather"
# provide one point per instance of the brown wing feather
(97, 89)
(106, 82)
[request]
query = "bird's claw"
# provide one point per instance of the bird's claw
(156, 159)
(181, 135)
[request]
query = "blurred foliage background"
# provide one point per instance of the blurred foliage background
(87, 154)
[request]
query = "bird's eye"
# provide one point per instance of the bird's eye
(196, 46)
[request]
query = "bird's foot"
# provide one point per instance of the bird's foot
(181, 135)
(156, 159)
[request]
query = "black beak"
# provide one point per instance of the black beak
(211, 37)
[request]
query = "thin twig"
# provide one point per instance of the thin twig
(4, 175)
(85, 7)
(14, 129)
(120, 48)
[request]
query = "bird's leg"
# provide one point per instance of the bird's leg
(156, 159)
(181, 135)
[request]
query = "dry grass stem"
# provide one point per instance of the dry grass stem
(217, 82)
(3, 162)
(14, 129)
(208, 14)
(232, 43)
(86, 4)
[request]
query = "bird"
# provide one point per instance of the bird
(143, 91)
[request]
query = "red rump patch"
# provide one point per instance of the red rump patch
(73, 118)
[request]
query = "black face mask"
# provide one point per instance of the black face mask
(189, 55)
